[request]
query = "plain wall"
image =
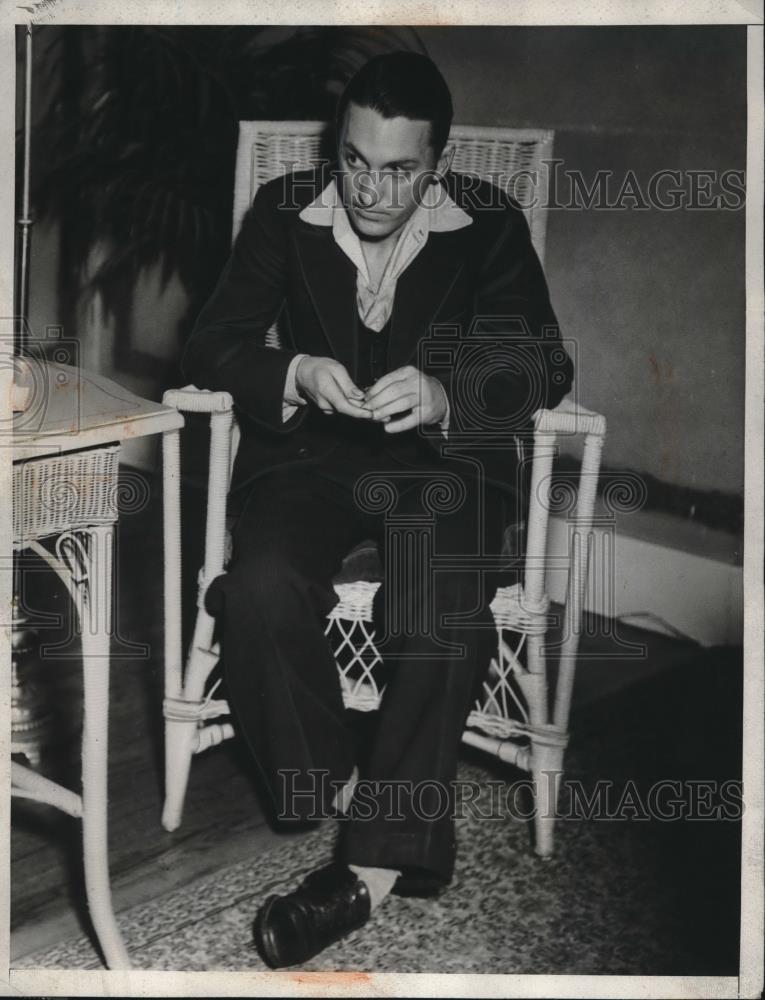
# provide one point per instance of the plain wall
(654, 300)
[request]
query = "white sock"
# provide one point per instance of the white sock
(379, 881)
(344, 795)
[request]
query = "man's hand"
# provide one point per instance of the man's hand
(327, 382)
(402, 390)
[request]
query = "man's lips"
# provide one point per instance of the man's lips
(367, 214)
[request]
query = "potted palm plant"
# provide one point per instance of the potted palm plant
(136, 143)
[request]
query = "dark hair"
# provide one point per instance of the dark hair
(405, 84)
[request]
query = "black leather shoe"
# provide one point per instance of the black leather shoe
(328, 904)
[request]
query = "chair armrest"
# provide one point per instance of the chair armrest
(193, 400)
(569, 418)
(566, 418)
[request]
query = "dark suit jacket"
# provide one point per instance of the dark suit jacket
(472, 309)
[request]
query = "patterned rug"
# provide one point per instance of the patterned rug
(629, 896)
(585, 911)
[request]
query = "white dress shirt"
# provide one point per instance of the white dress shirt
(437, 212)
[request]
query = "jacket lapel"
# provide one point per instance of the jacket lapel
(330, 278)
(420, 291)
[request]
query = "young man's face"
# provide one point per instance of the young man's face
(385, 164)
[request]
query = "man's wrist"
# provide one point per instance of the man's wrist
(298, 383)
(291, 395)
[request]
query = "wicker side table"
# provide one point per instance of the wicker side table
(65, 509)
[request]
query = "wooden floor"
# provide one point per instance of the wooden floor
(223, 820)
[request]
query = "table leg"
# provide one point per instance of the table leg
(90, 584)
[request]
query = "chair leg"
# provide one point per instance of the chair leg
(546, 771)
(182, 717)
(180, 736)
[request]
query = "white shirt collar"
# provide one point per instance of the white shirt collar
(437, 212)
(442, 213)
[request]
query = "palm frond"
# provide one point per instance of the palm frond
(141, 128)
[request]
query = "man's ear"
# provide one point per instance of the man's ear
(445, 159)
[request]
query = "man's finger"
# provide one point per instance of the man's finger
(336, 397)
(403, 423)
(382, 383)
(392, 392)
(347, 386)
(352, 410)
(401, 404)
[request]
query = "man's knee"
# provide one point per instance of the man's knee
(267, 583)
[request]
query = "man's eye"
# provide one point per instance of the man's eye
(352, 160)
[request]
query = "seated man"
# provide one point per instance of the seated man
(351, 431)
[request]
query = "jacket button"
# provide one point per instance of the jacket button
(303, 452)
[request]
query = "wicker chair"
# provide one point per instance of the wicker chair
(535, 738)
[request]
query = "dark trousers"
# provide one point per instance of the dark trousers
(433, 625)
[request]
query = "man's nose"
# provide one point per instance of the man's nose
(369, 195)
